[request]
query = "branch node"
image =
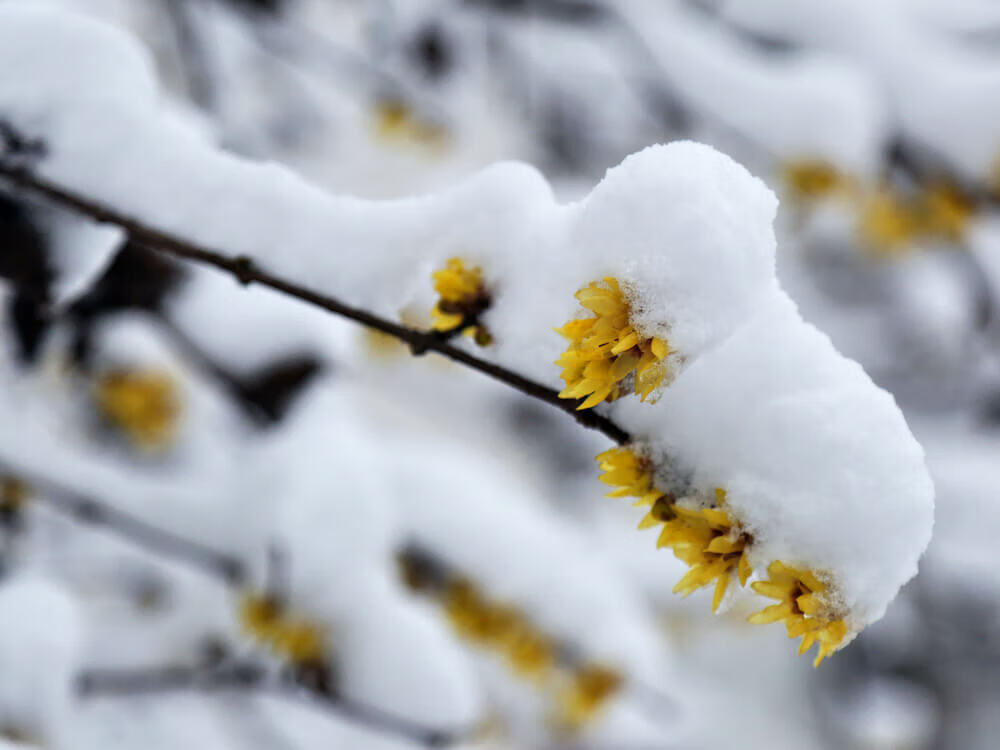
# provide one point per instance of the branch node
(244, 270)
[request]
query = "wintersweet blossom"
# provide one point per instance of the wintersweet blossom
(607, 356)
(298, 640)
(705, 537)
(143, 404)
(805, 606)
(463, 298)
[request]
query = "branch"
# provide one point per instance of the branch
(94, 512)
(295, 684)
(249, 677)
(246, 272)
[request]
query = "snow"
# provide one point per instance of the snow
(41, 633)
(817, 462)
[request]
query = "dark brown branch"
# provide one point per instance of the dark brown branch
(96, 513)
(247, 272)
(251, 678)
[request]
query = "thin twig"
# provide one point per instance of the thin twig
(249, 677)
(247, 272)
(94, 512)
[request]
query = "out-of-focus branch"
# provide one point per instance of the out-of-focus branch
(252, 678)
(297, 682)
(246, 272)
(94, 512)
(193, 55)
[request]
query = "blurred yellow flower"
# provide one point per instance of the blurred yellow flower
(888, 224)
(297, 640)
(606, 351)
(812, 179)
(143, 404)
(588, 690)
(946, 211)
(804, 608)
(396, 122)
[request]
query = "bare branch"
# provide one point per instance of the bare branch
(94, 512)
(253, 678)
(247, 272)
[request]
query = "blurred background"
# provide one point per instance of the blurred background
(402, 497)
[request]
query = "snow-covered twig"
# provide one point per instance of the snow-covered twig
(298, 684)
(246, 272)
(250, 677)
(94, 512)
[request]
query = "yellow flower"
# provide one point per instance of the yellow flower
(888, 224)
(529, 653)
(396, 122)
(264, 620)
(144, 404)
(810, 179)
(706, 538)
(804, 608)
(499, 628)
(631, 473)
(606, 351)
(463, 298)
(946, 211)
(586, 693)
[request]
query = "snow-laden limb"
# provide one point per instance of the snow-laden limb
(759, 448)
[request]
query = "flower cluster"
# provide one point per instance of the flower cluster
(607, 357)
(143, 404)
(804, 608)
(705, 537)
(714, 545)
(579, 689)
(264, 619)
(463, 298)
(498, 628)
(889, 220)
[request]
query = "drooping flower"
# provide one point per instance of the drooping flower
(265, 620)
(804, 606)
(706, 538)
(588, 690)
(463, 298)
(630, 473)
(607, 357)
(143, 404)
